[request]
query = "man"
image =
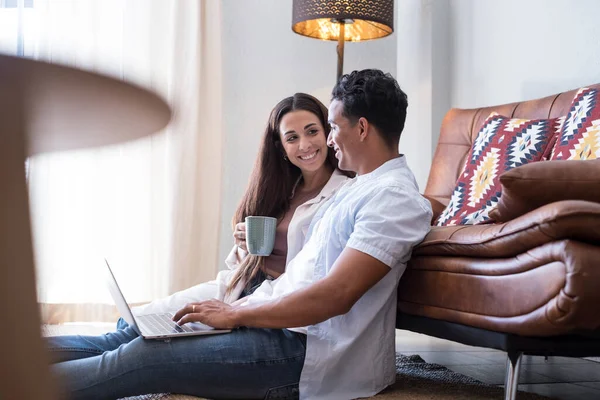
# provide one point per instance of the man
(326, 326)
(342, 285)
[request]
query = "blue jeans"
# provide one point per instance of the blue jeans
(243, 364)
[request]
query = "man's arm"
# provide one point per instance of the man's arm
(352, 275)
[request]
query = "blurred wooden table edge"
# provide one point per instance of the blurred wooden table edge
(46, 108)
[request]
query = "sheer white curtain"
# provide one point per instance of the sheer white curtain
(150, 207)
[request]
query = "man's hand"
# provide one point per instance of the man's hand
(213, 313)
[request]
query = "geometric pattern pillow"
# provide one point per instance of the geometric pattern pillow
(579, 138)
(502, 144)
(558, 129)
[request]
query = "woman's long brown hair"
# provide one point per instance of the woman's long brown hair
(273, 177)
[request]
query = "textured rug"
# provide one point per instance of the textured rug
(416, 380)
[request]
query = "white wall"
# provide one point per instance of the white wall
(512, 50)
(424, 65)
(264, 61)
(474, 53)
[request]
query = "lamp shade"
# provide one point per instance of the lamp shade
(362, 19)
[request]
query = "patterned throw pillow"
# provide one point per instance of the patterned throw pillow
(579, 138)
(501, 144)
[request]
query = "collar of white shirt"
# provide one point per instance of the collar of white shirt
(396, 162)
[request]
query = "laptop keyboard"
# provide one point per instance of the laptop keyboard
(160, 324)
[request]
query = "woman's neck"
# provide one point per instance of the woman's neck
(315, 180)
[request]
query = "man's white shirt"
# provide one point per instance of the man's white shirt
(380, 214)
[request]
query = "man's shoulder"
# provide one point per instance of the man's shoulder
(393, 186)
(390, 190)
(393, 182)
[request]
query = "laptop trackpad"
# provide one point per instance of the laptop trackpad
(198, 326)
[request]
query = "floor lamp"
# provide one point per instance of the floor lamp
(45, 108)
(343, 21)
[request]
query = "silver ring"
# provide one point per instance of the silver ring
(194, 308)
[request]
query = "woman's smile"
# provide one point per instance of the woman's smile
(309, 157)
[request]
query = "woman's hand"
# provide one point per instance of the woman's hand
(213, 313)
(239, 235)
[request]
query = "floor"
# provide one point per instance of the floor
(558, 377)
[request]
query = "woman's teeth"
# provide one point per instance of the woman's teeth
(308, 157)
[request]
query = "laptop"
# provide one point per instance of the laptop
(154, 326)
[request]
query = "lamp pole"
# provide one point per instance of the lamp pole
(340, 49)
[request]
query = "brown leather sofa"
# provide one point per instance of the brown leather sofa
(527, 286)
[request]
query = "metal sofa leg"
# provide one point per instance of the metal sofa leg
(511, 380)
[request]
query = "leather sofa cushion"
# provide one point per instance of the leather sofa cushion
(547, 290)
(570, 219)
(533, 185)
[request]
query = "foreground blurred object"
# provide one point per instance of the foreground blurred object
(45, 108)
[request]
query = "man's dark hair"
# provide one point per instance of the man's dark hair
(376, 96)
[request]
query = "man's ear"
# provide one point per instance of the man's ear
(363, 126)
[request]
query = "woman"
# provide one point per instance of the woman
(294, 174)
